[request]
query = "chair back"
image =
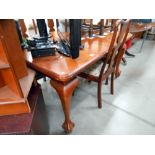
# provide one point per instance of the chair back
(91, 27)
(120, 32)
(109, 24)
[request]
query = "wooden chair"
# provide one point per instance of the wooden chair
(104, 25)
(109, 24)
(107, 65)
(89, 27)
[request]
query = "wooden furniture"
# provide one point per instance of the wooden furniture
(51, 25)
(15, 78)
(109, 24)
(139, 28)
(152, 30)
(34, 26)
(35, 122)
(23, 28)
(24, 35)
(64, 71)
(104, 25)
(89, 27)
(107, 65)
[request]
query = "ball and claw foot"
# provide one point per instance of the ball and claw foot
(68, 126)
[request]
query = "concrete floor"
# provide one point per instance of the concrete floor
(131, 110)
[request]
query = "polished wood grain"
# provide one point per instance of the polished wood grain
(112, 59)
(119, 59)
(1, 81)
(62, 70)
(13, 72)
(65, 92)
(140, 30)
(26, 82)
(20, 107)
(2, 49)
(8, 75)
(50, 25)
(10, 101)
(9, 34)
(10, 80)
(137, 27)
(4, 65)
(7, 96)
(35, 122)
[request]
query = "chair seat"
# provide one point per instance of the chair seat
(94, 69)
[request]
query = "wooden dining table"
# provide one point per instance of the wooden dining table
(63, 71)
(141, 27)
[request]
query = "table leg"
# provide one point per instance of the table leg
(144, 37)
(129, 54)
(65, 91)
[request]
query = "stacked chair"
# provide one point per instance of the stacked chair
(104, 25)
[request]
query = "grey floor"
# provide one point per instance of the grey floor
(131, 110)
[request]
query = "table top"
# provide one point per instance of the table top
(64, 68)
(140, 27)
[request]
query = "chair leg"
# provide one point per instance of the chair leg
(45, 78)
(99, 93)
(89, 81)
(124, 61)
(73, 93)
(106, 81)
(112, 83)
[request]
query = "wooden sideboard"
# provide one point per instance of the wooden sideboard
(21, 102)
(35, 122)
(15, 78)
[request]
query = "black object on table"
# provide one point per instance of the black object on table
(41, 47)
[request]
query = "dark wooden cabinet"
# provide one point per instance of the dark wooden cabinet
(22, 108)
(15, 78)
(35, 122)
